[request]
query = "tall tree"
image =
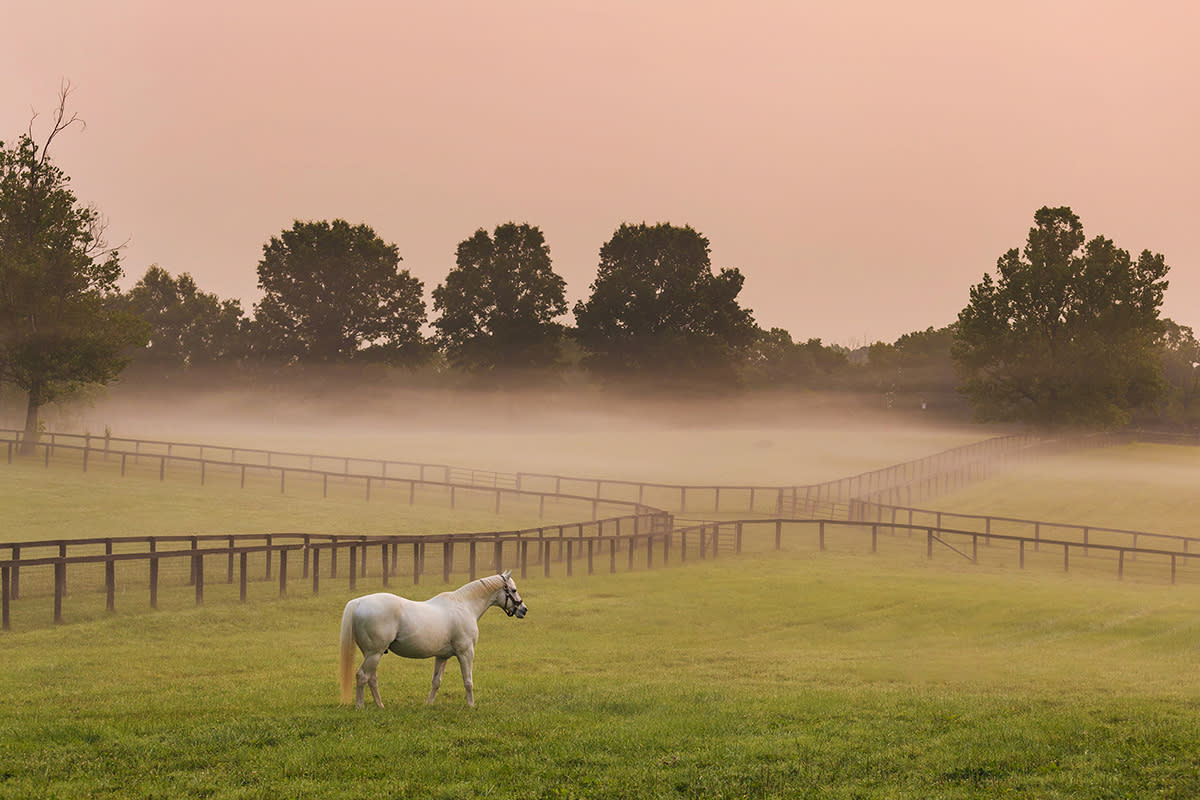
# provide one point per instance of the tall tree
(188, 327)
(1067, 334)
(57, 333)
(500, 302)
(334, 293)
(657, 306)
(1181, 370)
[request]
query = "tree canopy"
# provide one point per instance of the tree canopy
(500, 302)
(1068, 333)
(57, 333)
(188, 327)
(656, 305)
(334, 293)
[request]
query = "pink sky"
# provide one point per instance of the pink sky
(862, 163)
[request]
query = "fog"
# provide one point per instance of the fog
(760, 439)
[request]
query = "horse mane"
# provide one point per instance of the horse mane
(483, 586)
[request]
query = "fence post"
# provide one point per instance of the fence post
(778, 534)
(929, 543)
(821, 535)
(198, 570)
(416, 563)
(60, 587)
(110, 579)
(153, 576)
(471, 561)
(384, 565)
(243, 557)
(353, 566)
(5, 586)
(316, 570)
(283, 554)
(447, 560)
(1121, 566)
(570, 557)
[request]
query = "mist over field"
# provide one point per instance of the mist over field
(763, 439)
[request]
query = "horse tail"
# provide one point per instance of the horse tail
(346, 653)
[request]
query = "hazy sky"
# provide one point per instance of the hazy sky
(862, 163)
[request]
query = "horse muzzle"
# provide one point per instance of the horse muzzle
(521, 611)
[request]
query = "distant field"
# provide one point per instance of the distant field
(64, 502)
(765, 440)
(1138, 486)
(800, 675)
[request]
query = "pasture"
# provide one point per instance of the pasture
(799, 675)
(834, 674)
(1148, 487)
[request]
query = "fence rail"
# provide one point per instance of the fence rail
(237, 549)
(494, 486)
(644, 536)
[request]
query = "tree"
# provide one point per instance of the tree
(1068, 332)
(1180, 404)
(499, 303)
(657, 306)
(188, 328)
(57, 333)
(334, 293)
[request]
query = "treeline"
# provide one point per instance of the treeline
(336, 294)
(1083, 345)
(1066, 332)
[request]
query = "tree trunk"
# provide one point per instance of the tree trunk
(29, 440)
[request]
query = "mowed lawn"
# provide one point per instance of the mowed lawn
(792, 675)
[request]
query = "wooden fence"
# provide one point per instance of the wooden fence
(455, 482)
(734, 536)
(244, 556)
(940, 471)
(649, 537)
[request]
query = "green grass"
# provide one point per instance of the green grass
(1143, 487)
(63, 502)
(793, 676)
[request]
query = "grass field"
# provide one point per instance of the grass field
(793, 674)
(796, 676)
(1146, 487)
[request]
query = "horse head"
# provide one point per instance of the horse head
(512, 603)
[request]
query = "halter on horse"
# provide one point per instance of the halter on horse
(438, 628)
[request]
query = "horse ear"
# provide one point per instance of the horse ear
(506, 574)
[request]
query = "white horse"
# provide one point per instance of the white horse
(443, 626)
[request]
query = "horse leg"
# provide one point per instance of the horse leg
(465, 660)
(367, 676)
(439, 666)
